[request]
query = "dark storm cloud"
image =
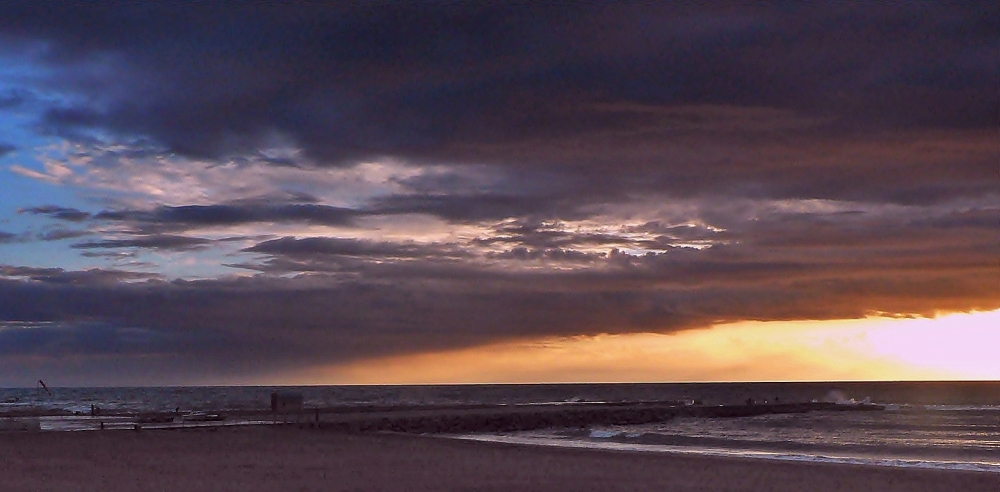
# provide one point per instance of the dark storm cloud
(633, 88)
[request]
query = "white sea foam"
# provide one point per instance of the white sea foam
(963, 408)
(979, 466)
(597, 433)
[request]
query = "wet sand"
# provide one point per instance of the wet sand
(252, 459)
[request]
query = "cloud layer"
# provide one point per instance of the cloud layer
(270, 188)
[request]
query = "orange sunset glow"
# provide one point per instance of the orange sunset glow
(958, 346)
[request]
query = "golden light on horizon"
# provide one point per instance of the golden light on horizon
(964, 345)
(950, 347)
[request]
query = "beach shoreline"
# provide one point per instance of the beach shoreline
(253, 458)
(740, 454)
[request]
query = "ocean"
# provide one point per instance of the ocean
(952, 425)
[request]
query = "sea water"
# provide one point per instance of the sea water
(963, 437)
(926, 424)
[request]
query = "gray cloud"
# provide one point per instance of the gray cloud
(118, 255)
(16, 98)
(95, 276)
(479, 207)
(193, 216)
(322, 246)
(345, 255)
(57, 212)
(657, 236)
(554, 254)
(156, 241)
(59, 234)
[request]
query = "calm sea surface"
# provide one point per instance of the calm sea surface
(926, 424)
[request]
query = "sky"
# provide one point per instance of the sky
(376, 192)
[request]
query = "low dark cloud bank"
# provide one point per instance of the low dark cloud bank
(833, 160)
(837, 99)
(352, 299)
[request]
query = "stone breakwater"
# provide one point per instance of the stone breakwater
(421, 419)
(510, 419)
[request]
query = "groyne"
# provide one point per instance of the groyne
(449, 419)
(510, 419)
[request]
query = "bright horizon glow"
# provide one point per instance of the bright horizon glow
(957, 346)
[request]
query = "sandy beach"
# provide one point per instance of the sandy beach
(271, 458)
